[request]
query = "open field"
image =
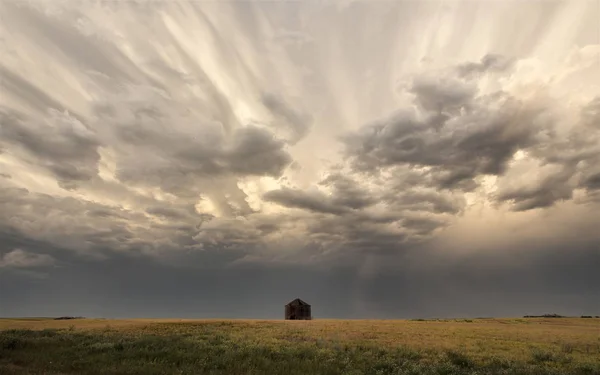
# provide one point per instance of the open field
(144, 346)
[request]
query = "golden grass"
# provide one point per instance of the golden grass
(480, 338)
(531, 346)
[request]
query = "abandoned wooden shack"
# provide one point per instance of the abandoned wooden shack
(298, 310)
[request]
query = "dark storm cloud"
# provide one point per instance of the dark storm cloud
(387, 217)
(442, 94)
(545, 193)
(422, 226)
(298, 123)
(159, 147)
(172, 213)
(420, 283)
(424, 200)
(488, 63)
(478, 142)
(347, 192)
(235, 234)
(592, 182)
(312, 201)
(148, 126)
(165, 177)
(574, 156)
(536, 279)
(93, 229)
(181, 162)
(19, 258)
(60, 143)
(356, 234)
(151, 289)
(461, 135)
(256, 152)
(103, 212)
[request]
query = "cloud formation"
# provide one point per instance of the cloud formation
(21, 259)
(246, 142)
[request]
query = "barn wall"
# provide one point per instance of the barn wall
(299, 312)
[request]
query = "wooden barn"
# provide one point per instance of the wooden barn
(297, 310)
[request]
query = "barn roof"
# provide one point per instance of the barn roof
(298, 302)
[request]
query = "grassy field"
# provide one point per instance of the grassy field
(480, 346)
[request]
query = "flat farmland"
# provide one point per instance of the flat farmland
(175, 346)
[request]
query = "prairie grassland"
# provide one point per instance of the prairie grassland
(144, 346)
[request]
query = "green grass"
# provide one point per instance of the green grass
(313, 347)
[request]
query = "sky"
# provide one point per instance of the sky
(378, 159)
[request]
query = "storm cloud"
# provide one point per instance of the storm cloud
(183, 159)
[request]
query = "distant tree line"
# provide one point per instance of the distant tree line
(558, 316)
(545, 316)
